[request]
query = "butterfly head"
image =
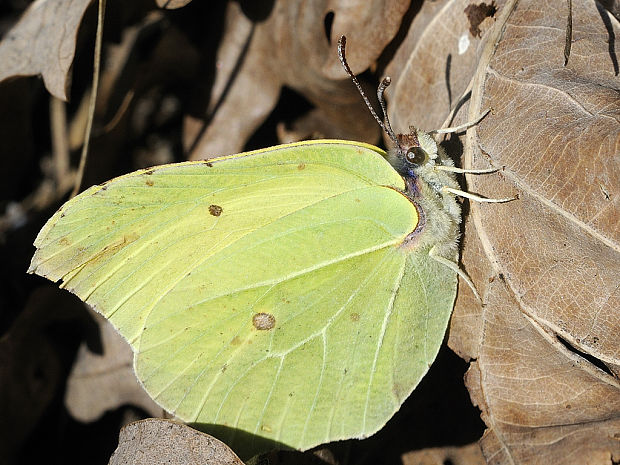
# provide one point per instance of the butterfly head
(414, 154)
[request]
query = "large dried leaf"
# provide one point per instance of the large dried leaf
(163, 441)
(43, 42)
(542, 403)
(548, 264)
(290, 48)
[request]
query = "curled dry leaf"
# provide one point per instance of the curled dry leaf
(548, 264)
(104, 381)
(43, 42)
(294, 45)
(163, 441)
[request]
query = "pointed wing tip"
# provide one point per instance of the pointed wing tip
(33, 268)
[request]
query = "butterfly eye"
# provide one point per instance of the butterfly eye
(416, 155)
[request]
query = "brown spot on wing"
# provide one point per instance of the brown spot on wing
(215, 210)
(263, 321)
(114, 247)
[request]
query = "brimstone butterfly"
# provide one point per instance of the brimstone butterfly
(297, 293)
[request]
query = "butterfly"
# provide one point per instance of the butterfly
(290, 296)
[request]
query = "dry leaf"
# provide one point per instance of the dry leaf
(105, 381)
(291, 47)
(464, 455)
(43, 42)
(163, 441)
(542, 403)
(432, 66)
(172, 4)
(548, 264)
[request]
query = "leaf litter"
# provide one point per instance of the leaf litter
(543, 352)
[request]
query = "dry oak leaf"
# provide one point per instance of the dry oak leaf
(545, 344)
(43, 42)
(294, 46)
(163, 441)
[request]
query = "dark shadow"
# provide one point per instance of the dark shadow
(244, 444)
(328, 23)
(257, 11)
(291, 106)
(438, 413)
(394, 45)
(452, 144)
(42, 359)
(612, 36)
(590, 358)
(459, 103)
(229, 83)
(63, 440)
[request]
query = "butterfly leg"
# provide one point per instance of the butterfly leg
(462, 127)
(454, 169)
(475, 197)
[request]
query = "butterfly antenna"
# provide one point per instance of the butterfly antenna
(380, 90)
(388, 127)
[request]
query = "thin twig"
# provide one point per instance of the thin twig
(60, 143)
(93, 97)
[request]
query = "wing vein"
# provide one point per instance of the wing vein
(388, 313)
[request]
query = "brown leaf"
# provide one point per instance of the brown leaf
(106, 381)
(542, 402)
(558, 246)
(163, 441)
(548, 264)
(464, 455)
(43, 42)
(431, 69)
(171, 4)
(289, 47)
